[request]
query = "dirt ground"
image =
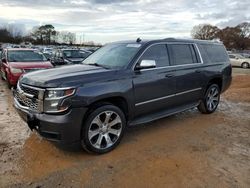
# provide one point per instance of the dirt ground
(185, 150)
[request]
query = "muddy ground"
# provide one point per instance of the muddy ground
(185, 150)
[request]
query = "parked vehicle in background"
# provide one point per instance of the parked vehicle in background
(68, 56)
(246, 55)
(48, 56)
(16, 62)
(124, 83)
(238, 60)
(47, 50)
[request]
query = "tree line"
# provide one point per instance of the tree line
(45, 35)
(237, 37)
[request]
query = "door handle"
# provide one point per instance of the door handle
(198, 71)
(169, 75)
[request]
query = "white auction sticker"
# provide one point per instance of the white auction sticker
(134, 45)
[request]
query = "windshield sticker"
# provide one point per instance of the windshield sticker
(134, 45)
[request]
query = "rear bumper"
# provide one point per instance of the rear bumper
(63, 128)
(226, 83)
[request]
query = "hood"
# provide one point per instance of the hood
(67, 76)
(30, 65)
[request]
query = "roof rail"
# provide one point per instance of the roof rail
(170, 38)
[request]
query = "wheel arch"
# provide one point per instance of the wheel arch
(215, 80)
(118, 101)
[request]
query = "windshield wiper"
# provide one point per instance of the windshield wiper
(98, 65)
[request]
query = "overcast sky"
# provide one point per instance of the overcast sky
(110, 20)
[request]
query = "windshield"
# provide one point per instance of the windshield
(74, 54)
(113, 55)
(25, 56)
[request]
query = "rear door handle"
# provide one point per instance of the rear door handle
(169, 75)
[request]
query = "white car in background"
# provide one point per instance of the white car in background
(238, 60)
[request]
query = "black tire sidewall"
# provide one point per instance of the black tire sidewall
(85, 142)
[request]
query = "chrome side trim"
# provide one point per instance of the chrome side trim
(168, 96)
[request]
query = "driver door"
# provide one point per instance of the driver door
(154, 88)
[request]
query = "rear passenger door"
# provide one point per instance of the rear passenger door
(154, 88)
(189, 72)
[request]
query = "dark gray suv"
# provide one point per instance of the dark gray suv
(123, 84)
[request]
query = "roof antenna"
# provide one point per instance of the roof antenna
(138, 40)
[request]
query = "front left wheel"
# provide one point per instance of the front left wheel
(103, 129)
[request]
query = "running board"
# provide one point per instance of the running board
(162, 114)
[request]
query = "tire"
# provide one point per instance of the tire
(2, 76)
(8, 82)
(103, 129)
(211, 100)
(245, 65)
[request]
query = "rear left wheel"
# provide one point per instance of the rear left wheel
(103, 129)
(211, 100)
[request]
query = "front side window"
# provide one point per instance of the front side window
(116, 55)
(25, 56)
(183, 54)
(158, 53)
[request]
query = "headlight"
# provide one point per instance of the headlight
(54, 98)
(15, 70)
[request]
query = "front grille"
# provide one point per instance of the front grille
(30, 97)
(25, 101)
(29, 90)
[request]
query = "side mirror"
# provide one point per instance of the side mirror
(146, 64)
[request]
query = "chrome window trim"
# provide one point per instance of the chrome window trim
(173, 66)
(168, 96)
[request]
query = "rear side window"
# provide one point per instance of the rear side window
(182, 54)
(213, 53)
(158, 53)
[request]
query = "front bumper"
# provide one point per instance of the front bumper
(63, 128)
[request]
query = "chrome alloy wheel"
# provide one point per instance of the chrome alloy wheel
(212, 98)
(105, 129)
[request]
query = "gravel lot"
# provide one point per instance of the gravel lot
(185, 150)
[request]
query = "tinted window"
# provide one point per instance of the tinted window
(158, 53)
(215, 52)
(231, 56)
(183, 54)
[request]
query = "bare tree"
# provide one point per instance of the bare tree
(205, 32)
